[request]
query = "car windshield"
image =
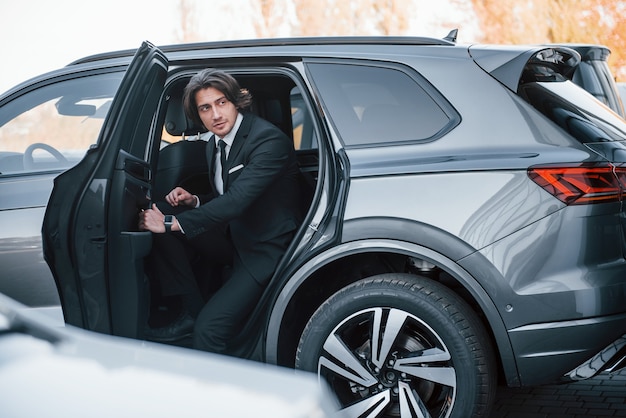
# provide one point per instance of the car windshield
(51, 128)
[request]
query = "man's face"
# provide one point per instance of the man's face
(217, 113)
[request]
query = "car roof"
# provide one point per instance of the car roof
(287, 46)
(489, 56)
(276, 42)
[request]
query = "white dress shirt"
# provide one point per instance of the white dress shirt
(228, 138)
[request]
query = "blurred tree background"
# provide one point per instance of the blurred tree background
(556, 21)
(488, 21)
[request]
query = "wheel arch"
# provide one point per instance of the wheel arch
(359, 256)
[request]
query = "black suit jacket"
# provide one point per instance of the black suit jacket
(260, 204)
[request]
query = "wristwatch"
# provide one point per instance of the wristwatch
(168, 221)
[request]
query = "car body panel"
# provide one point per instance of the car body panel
(502, 204)
(540, 354)
(138, 378)
(20, 241)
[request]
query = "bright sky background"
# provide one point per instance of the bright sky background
(42, 35)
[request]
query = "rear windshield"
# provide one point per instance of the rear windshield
(575, 110)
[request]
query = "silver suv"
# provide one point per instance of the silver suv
(465, 222)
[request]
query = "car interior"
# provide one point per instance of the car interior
(182, 156)
(276, 98)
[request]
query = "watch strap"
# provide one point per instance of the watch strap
(168, 221)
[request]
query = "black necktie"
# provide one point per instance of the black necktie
(222, 146)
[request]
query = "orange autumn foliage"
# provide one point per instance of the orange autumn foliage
(557, 21)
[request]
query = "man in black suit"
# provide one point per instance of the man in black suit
(246, 223)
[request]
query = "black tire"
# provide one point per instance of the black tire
(438, 361)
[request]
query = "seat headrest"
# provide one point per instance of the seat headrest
(177, 123)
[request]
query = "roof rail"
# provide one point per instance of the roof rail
(297, 41)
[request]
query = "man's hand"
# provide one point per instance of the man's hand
(152, 220)
(180, 196)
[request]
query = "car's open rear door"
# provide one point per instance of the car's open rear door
(90, 236)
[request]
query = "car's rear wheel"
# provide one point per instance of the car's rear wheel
(397, 345)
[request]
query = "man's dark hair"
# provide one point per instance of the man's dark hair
(219, 80)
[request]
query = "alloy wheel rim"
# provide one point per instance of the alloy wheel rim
(386, 362)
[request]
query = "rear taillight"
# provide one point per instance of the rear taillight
(581, 184)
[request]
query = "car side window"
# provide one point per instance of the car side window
(50, 128)
(371, 104)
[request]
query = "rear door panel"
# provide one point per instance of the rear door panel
(90, 236)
